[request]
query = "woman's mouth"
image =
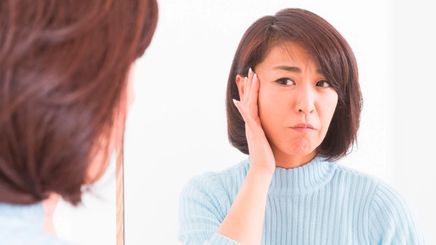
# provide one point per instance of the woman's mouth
(303, 127)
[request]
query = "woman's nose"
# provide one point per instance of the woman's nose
(305, 100)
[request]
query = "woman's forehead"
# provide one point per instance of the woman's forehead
(287, 53)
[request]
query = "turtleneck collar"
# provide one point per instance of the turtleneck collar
(302, 180)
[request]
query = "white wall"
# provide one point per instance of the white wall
(177, 126)
(92, 222)
(415, 109)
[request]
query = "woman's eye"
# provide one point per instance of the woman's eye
(285, 81)
(323, 83)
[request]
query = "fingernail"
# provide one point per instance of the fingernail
(234, 101)
(250, 71)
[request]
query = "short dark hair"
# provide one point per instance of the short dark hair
(330, 51)
(63, 78)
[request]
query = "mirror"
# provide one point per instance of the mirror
(177, 126)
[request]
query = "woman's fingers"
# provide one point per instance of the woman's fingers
(242, 108)
(253, 97)
(247, 106)
(244, 98)
(249, 84)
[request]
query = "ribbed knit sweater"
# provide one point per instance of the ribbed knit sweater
(320, 202)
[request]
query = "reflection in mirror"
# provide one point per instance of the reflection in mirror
(177, 128)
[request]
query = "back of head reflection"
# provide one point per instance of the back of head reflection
(64, 92)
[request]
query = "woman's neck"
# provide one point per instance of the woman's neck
(49, 205)
(287, 161)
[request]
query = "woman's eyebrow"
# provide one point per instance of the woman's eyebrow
(293, 69)
(288, 68)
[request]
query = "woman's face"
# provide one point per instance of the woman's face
(296, 102)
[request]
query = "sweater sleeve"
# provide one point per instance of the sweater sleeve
(201, 213)
(390, 219)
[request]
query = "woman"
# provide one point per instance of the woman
(64, 90)
(293, 104)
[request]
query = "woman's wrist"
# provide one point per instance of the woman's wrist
(244, 221)
(265, 171)
(261, 174)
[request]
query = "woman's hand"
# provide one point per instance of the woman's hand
(244, 221)
(261, 156)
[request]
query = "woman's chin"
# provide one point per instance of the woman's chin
(301, 148)
(300, 153)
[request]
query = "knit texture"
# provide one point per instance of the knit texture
(320, 202)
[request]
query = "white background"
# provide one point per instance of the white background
(177, 125)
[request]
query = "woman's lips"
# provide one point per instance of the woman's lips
(303, 127)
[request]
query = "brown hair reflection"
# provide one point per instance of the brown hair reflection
(63, 83)
(330, 51)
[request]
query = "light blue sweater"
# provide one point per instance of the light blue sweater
(319, 203)
(23, 225)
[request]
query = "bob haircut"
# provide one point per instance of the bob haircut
(63, 83)
(331, 53)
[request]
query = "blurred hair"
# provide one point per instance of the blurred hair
(331, 52)
(63, 81)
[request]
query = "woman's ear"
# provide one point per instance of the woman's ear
(240, 83)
